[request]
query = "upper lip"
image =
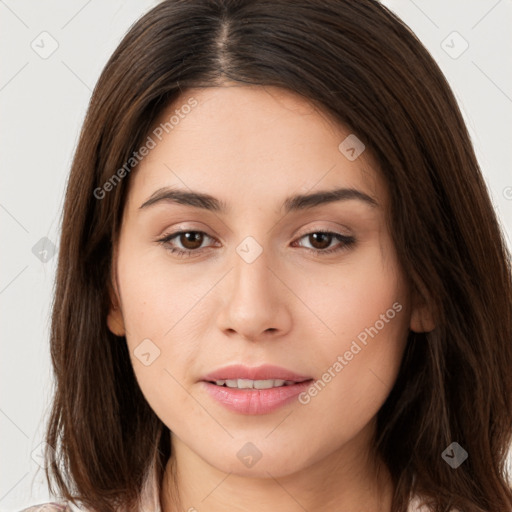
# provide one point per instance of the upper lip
(263, 372)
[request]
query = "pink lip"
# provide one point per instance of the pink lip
(263, 372)
(255, 401)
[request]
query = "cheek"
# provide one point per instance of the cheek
(158, 294)
(361, 337)
(158, 306)
(347, 298)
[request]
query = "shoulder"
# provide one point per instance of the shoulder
(49, 507)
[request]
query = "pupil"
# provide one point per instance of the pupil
(191, 239)
(325, 240)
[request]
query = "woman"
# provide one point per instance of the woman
(281, 281)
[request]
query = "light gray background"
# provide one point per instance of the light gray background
(43, 103)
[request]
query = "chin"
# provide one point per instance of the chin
(249, 461)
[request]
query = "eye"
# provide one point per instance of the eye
(321, 241)
(192, 241)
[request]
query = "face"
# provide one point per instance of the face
(256, 278)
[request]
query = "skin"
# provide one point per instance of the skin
(252, 147)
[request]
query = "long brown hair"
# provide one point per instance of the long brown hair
(357, 61)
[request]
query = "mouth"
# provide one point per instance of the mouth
(243, 377)
(254, 384)
(256, 390)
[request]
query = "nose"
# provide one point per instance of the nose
(256, 302)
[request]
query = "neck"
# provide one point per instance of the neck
(342, 481)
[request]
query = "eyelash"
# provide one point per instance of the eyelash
(346, 242)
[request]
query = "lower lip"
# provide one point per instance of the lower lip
(255, 401)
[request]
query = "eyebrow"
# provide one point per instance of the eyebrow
(292, 203)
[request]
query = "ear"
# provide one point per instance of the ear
(422, 317)
(115, 320)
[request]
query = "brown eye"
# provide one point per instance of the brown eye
(320, 240)
(185, 243)
(191, 239)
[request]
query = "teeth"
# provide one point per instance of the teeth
(266, 384)
(254, 384)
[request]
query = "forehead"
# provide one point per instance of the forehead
(249, 142)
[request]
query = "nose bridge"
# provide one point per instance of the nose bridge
(256, 300)
(251, 275)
